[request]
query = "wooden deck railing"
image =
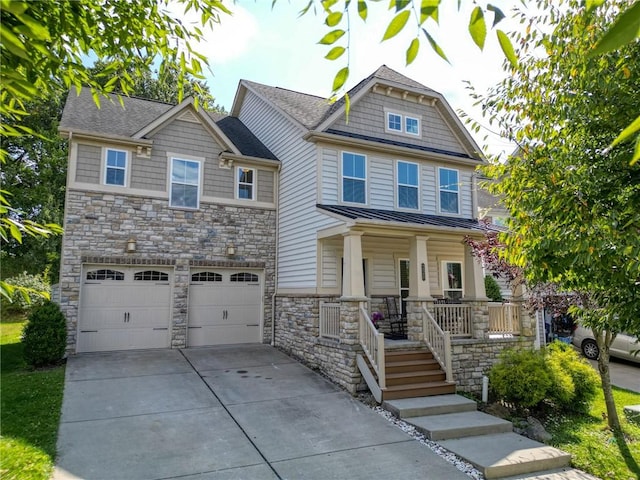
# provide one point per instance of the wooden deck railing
(372, 343)
(439, 341)
(330, 320)
(454, 318)
(504, 318)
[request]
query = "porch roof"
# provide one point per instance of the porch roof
(358, 213)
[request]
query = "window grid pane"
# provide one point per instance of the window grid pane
(354, 178)
(448, 190)
(245, 183)
(185, 181)
(412, 125)
(116, 167)
(394, 122)
(151, 276)
(244, 277)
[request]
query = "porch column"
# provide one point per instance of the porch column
(352, 274)
(419, 287)
(473, 277)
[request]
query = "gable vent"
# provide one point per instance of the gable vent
(189, 117)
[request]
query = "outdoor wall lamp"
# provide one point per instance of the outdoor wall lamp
(231, 250)
(131, 245)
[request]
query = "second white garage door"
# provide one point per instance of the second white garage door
(225, 307)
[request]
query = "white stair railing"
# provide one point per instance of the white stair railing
(372, 343)
(504, 318)
(439, 341)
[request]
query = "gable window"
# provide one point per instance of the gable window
(115, 172)
(185, 183)
(394, 122)
(412, 125)
(246, 183)
(407, 185)
(449, 190)
(354, 178)
(452, 281)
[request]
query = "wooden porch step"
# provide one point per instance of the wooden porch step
(418, 390)
(408, 378)
(407, 355)
(411, 366)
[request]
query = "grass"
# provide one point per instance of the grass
(30, 403)
(594, 447)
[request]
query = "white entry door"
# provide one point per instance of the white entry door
(225, 307)
(124, 308)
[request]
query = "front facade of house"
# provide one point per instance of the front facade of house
(184, 228)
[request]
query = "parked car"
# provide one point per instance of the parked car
(623, 346)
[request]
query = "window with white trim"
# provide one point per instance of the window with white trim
(412, 126)
(449, 190)
(394, 122)
(354, 178)
(115, 167)
(245, 183)
(408, 184)
(452, 281)
(402, 123)
(185, 183)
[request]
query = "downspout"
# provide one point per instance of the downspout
(275, 288)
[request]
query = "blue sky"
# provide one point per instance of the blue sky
(277, 47)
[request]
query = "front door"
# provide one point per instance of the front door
(404, 284)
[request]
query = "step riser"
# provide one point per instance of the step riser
(538, 465)
(401, 357)
(463, 432)
(419, 392)
(422, 378)
(391, 368)
(406, 413)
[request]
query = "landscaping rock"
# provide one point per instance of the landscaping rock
(536, 431)
(632, 412)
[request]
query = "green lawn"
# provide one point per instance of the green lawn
(594, 447)
(30, 403)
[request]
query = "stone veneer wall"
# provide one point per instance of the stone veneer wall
(98, 225)
(298, 335)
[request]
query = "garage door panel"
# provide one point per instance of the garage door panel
(129, 339)
(223, 335)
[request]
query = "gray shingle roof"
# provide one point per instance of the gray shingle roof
(358, 213)
(81, 114)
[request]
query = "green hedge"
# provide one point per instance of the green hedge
(45, 336)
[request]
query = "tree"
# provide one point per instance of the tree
(574, 203)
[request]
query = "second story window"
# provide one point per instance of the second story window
(185, 183)
(115, 168)
(354, 178)
(449, 190)
(407, 185)
(246, 183)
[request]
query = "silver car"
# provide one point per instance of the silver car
(623, 346)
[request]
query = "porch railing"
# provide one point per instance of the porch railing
(439, 341)
(330, 320)
(504, 318)
(454, 318)
(372, 343)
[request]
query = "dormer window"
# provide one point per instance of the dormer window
(402, 123)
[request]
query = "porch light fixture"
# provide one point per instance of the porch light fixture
(231, 250)
(131, 245)
(424, 272)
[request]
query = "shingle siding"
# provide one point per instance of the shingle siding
(88, 164)
(265, 186)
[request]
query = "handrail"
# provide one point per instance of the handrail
(372, 343)
(439, 342)
(504, 318)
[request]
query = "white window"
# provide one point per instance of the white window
(449, 190)
(246, 178)
(408, 177)
(185, 183)
(354, 178)
(452, 280)
(403, 123)
(115, 171)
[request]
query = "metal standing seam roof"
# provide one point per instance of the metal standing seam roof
(359, 213)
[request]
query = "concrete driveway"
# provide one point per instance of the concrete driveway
(228, 412)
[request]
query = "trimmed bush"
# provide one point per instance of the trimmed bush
(45, 336)
(520, 377)
(492, 288)
(18, 303)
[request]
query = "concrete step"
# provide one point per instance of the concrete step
(507, 454)
(407, 378)
(566, 473)
(459, 425)
(411, 366)
(418, 390)
(433, 405)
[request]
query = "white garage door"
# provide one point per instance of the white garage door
(224, 307)
(124, 308)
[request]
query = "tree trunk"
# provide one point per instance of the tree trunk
(603, 368)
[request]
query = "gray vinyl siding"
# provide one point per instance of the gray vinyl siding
(381, 182)
(265, 185)
(298, 217)
(329, 263)
(88, 163)
(439, 251)
(218, 181)
(367, 117)
(330, 174)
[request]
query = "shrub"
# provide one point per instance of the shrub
(45, 336)
(492, 288)
(520, 377)
(19, 303)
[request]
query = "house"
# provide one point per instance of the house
(290, 221)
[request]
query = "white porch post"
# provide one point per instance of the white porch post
(353, 276)
(419, 287)
(473, 277)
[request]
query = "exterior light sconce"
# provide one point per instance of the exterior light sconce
(231, 250)
(131, 245)
(424, 272)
